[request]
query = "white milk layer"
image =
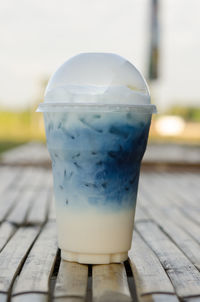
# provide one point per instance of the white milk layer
(94, 232)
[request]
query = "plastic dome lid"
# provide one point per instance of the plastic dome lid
(97, 81)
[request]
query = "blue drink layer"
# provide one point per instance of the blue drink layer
(96, 158)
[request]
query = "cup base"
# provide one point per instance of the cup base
(94, 258)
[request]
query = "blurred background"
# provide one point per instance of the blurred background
(160, 37)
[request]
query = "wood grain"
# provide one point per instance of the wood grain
(184, 276)
(159, 298)
(39, 208)
(32, 178)
(6, 231)
(30, 297)
(23, 206)
(39, 179)
(110, 283)
(38, 266)
(71, 284)
(3, 297)
(7, 177)
(192, 299)
(8, 202)
(140, 213)
(149, 274)
(178, 235)
(170, 208)
(13, 255)
(24, 180)
(52, 211)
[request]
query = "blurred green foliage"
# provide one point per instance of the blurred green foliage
(21, 126)
(17, 127)
(190, 114)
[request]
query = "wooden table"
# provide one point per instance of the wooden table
(164, 261)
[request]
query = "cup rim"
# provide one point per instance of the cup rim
(80, 107)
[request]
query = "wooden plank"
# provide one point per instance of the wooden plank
(110, 283)
(164, 198)
(38, 211)
(167, 212)
(183, 189)
(38, 266)
(185, 181)
(8, 203)
(192, 299)
(21, 208)
(52, 211)
(192, 213)
(50, 178)
(159, 298)
(6, 231)
(24, 180)
(3, 297)
(24, 204)
(46, 180)
(32, 179)
(168, 208)
(13, 255)
(71, 283)
(7, 177)
(140, 214)
(181, 238)
(189, 195)
(172, 153)
(26, 154)
(150, 277)
(38, 179)
(177, 188)
(175, 184)
(185, 193)
(30, 297)
(184, 276)
(184, 222)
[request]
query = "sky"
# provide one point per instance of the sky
(36, 37)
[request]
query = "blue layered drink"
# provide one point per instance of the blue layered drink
(96, 151)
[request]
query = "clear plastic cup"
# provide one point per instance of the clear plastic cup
(97, 116)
